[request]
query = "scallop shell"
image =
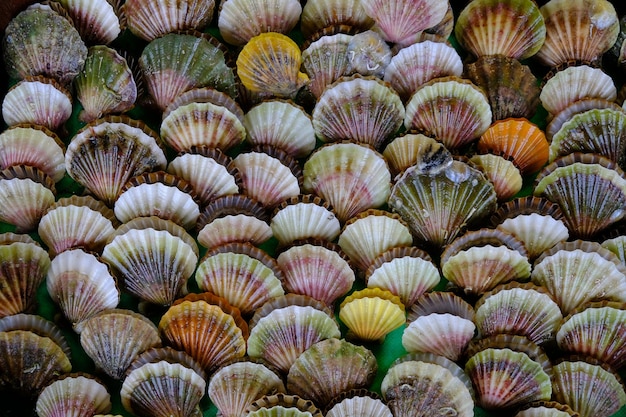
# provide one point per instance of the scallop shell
(73, 395)
(304, 217)
(515, 28)
(415, 149)
(329, 368)
(154, 18)
(38, 41)
(24, 202)
(113, 338)
(269, 64)
(284, 404)
(105, 85)
(578, 106)
(505, 176)
(153, 265)
(278, 411)
(452, 110)
(37, 325)
(320, 14)
(351, 177)
(158, 223)
(617, 245)
(419, 63)
(288, 300)
(104, 155)
(546, 409)
(364, 110)
(38, 101)
(359, 406)
(96, 21)
(260, 15)
(213, 340)
(205, 95)
(163, 389)
(442, 334)
(167, 354)
(325, 60)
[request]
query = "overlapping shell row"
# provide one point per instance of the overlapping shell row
(240, 221)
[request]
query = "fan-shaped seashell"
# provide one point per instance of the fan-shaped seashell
(325, 60)
(261, 16)
(153, 265)
(113, 338)
(167, 354)
(104, 155)
(205, 95)
(49, 104)
(24, 202)
(105, 85)
(163, 389)
(38, 325)
(158, 223)
(25, 172)
(152, 19)
(505, 176)
(284, 404)
(288, 300)
(73, 395)
(617, 245)
(365, 110)
(368, 54)
(278, 411)
(577, 30)
(269, 64)
(38, 41)
(321, 14)
(419, 63)
(452, 110)
(415, 149)
(578, 106)
(234, 387)
(359, 406)
(304, 217)
(213, 340)
(441, 302)
(546, 409)
(96, 21)
(515, 29)
(329, 368)
(442, 334)
(351, 177)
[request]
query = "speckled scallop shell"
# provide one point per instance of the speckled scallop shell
(319, 271)
(81, 285)
(163, 389)
(419, 63)
(175, 63)
(304, 217)
(104, 155)
(153, 265)
(214, 339)
(442, 334)
(260, 16)
(24, 202)
(269, 65)
(38, 41)
(150, 19)
(329, 368)
(325, 60)
(452, 110)
(364, 110)
(577, 30)
(359, 405)
(320, 14)
(587, 388)
(77, 395)
(113, 338)
(402, 22)
(414, 149)
(281, 124)
(97, 21)
(514, 28)
(504, 175)
(105, 85)
(235, 386)
(48, 103)
(439, 201)
(283, 334)
(368, 54)
(351, 177)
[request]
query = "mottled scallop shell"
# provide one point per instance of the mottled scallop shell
(513, 28)
(105, 85)
(329, 368)
(439, 201)
(163, 389)
(48, 103)
(38, 41)
(452, 110)
(113, 338)
(104, 155)
(588, 389)
(578, 106)
(371, 314)
(364, 110)
(153, 265)
(97, 21)
(234, 387)
(304, 217)
(414, 149)
(504, 175)
(269, 65)
(175, 63)
(281, 124)
(403, 21)
(78, 395)
(325, 60)
(260, 16)
(575, 83)
(351, 177)
(38, 325)
(442, 334)
(205, 95)
(202, 124)
(359, 406)
(580, 30)
(282, 335)
(367, 235)
(24, 202)
(320, 14)
(154, 18)
(419, 63)
(81, 285)
(204, 331)
(321, 272)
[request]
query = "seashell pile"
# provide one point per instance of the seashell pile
(340, 208)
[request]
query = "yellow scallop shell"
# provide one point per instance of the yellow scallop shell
(372, 313)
